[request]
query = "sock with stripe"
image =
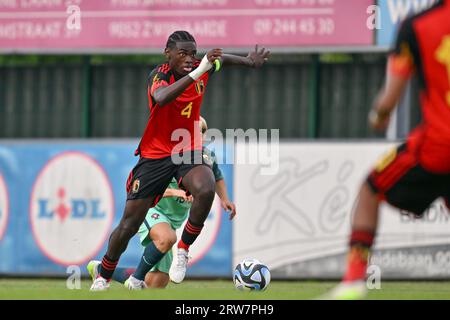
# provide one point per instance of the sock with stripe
(150, 257)
(358, 256)
(107, 267)
(190, 233)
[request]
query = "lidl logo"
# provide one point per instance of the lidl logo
(71, 208)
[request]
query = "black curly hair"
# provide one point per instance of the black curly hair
(178, 36)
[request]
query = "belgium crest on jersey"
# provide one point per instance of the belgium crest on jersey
(136, 184)
(200, 87)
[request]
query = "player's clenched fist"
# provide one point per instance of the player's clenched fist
(214, 54)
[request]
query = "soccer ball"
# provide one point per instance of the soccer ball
(251, 275)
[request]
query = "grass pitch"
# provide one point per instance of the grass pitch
(214, 290)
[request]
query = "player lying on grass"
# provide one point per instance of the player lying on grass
(417, 172)
(158, 230)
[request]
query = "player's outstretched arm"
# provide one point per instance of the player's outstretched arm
(254, 59)
(165, 94)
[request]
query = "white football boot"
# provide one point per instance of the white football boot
(134, 284)
(100, 284)
(177, 270)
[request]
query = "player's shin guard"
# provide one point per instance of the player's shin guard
(358, 256)
(150, 257)
(190, 233)
(107, 268)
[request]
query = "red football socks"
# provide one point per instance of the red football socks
(183, 245)
(358, 256)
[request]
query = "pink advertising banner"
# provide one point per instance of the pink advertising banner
(102, 25)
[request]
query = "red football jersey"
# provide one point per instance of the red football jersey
(423, 46)
(173, 128)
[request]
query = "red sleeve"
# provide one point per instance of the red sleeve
(157, 82)
(401, 60)
(159, 77)
(401, 65)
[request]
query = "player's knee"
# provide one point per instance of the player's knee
(164, 244)
(172, 240)
(205, 194)
(157, 280)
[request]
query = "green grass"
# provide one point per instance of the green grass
(213, 290)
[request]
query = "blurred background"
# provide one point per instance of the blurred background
(73, 106)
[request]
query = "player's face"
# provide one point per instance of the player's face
(182, 57)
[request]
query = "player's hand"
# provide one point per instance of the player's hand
(379, 121)
(214, 54)
(258, 57)
(182, 195)
(205, 64)
(189, 198)
(230, 207)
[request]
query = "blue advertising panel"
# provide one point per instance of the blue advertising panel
(392, 13)
(59, 203)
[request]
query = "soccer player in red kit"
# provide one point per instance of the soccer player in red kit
(171, 147)
(417, 172)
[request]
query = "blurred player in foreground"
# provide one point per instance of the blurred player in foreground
(417, 172)
(171, 148)
(159, 228)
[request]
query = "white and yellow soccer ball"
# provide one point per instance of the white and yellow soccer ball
(251, 275)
